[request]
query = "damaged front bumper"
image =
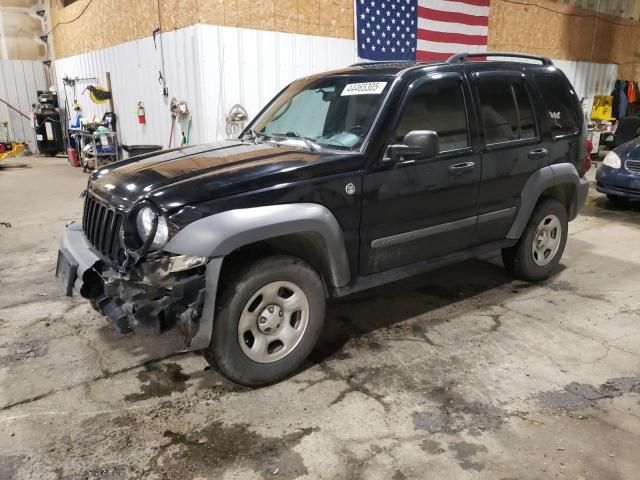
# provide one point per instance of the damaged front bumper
(162, 292)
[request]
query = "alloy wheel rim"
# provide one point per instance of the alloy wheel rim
(273, 322)
(546, 240)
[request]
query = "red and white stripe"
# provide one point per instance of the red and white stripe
(446, 27)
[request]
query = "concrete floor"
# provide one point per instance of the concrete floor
(461, 373)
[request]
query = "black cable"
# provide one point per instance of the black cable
(596, 15)
(163, 74)
(66, 22)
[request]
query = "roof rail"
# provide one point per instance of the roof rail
(462, 57)
(381, 62)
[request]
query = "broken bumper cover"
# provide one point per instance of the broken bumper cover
(75, 249)
(185, 299)
(582, 192)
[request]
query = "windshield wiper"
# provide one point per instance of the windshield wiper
(313, 146)
(255, 136)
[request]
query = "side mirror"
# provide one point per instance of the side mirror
(415, 144)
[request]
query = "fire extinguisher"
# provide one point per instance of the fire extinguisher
(142, 119)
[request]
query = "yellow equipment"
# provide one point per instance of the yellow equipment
(9, 148)
(15, 150)
(98, 94)
(602, 108)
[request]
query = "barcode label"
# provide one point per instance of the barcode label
(368, 88)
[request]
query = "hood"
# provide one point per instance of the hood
(186, 176)
(629, 150)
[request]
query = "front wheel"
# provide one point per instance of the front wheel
(538, 252)
(269, 320)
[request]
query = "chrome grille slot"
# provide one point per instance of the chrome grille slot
(101, 225)
(633, 166)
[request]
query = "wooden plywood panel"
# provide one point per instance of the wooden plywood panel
(231, 12)
(244, 13)
(179, 14)
(211, 12)
(112, 22)
(104, 23)
(564, 32)
(263, 15)
(521, 27)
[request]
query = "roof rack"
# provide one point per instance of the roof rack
(462, 57)
(381, 63)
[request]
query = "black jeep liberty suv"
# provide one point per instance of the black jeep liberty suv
(344, 181)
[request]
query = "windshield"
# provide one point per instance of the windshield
(329, 112)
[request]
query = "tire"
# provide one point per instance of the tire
(618, 201)
(525, 262)
(253, 345)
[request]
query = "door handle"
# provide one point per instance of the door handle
(537, 153)
(460, 168)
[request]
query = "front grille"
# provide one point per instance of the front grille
(633, 166)
(101, 225)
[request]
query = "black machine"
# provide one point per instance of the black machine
(48, 124)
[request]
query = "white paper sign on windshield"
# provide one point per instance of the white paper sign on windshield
(368, 88)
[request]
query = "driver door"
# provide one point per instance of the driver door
(423, 208)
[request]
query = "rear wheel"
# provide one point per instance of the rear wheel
(270, 318)
(538, 252)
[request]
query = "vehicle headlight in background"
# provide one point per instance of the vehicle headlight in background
(612, 160)
(144, 222)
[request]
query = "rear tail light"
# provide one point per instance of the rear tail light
(586, 162)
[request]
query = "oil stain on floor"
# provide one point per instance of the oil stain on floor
(577, 396)
(159, 380)
(210, 451)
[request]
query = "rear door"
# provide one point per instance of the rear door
(423, 208)
(562, 113)
(513, 149)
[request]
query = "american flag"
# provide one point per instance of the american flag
(422, 30)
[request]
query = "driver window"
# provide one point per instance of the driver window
(437, 105)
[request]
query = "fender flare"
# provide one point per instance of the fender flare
(220, 234)
(549, 176)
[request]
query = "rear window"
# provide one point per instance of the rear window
(506, 110)
(560, 103)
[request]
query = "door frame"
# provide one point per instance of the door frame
(375, 165)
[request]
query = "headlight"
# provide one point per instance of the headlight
(144, 222)
(612, 160)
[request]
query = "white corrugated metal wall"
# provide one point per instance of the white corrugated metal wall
(210, 67)
(134, 68)
(589, 79)
(213, 67)
(19, 82)
(256, 64)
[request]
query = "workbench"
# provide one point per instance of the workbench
(96, 149)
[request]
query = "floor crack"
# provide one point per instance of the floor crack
(105, 374)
